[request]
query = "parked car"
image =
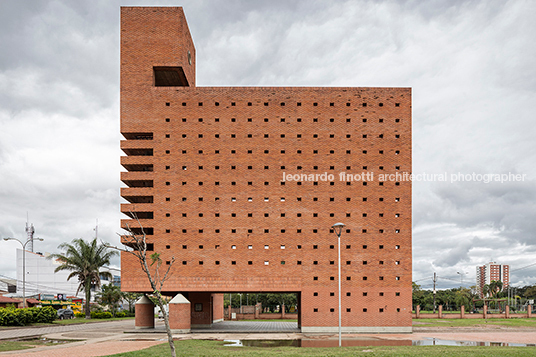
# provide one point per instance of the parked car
(65, 314)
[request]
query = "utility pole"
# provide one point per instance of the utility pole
(435, 279)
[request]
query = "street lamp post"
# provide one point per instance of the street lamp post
(337, 227)
(24, 265)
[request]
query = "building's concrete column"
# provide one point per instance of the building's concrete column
(144, 316)
(440, 311)
(179, 314)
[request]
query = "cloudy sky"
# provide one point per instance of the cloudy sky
(471, 66)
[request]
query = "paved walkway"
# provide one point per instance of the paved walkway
(38, 331)
(92, 339)
(248, 326)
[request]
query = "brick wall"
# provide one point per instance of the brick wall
(217, 304)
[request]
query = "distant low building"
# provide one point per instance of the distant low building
(7, 301)
(7, 286)
(42, 280)
(492, 271)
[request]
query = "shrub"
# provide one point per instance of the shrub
(11, 316)
(120, 314)
(79, 314)
(45, 314)
(101, 315)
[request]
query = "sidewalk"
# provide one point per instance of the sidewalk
(38, 331)
(93, 339)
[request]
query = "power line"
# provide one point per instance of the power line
(526, 266)
(36, 286)
(420, 280)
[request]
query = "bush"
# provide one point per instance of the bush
(79, 314)
(11, 316)
(44, 315)
(101, 315)
(120, 314)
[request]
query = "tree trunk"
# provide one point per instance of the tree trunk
(87, 289)
(166, 322)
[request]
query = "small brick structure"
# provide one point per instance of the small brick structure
(179, 314)
(144, 313)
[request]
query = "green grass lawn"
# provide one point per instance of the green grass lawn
(216, 348)
(23, 345)
(518, 322)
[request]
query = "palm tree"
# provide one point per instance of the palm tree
(84, 260)
(486, 290)
(495, 287)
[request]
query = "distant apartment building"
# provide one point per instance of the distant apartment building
(492, 271)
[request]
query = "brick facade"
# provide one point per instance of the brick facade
(207, 175)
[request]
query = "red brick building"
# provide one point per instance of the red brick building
(241, 185)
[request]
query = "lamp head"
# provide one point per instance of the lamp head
(337, 227)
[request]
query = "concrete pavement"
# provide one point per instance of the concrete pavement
(38, 331)
(92, 339)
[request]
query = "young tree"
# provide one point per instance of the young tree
(84, 260)
(131, 299)
(136, 244)
(110, 295)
